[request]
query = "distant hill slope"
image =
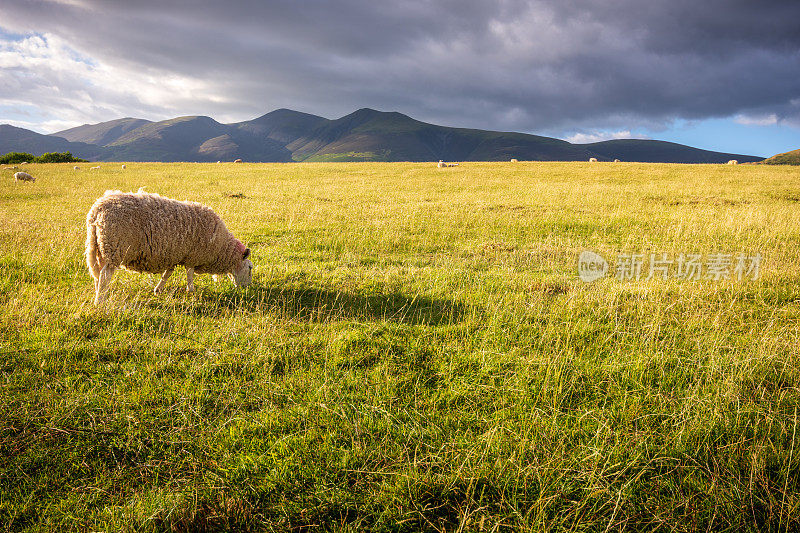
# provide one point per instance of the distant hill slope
(103, 133)
(649, 151)
(281, 125)
(364, 135)
(13, 139)
(194, 139)
(374, 135)
(786, 158)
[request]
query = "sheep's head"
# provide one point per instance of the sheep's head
(244, 274)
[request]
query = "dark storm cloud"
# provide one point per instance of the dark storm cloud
(553, 65)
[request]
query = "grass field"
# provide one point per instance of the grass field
(415, 352)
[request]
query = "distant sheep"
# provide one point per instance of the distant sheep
(146, 232)
(616, 161)
(442, 164)
(76, 167)
(10, 168)
(24, 163)
(238, 161)
(733, 162)
(514, 161)
(592, 160)
(95, 168)
(219, 161)
(124, 167)
(23, 176)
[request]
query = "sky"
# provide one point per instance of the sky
(718, 74)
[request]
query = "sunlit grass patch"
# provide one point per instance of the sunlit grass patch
(416, 352)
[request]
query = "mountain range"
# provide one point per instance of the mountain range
(284, 135)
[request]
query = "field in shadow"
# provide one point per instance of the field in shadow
(323, 305)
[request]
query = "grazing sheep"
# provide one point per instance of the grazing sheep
(94, 168)
(514, 161)
(733, 162)
(146, 232)
(592, 160)
(124, 167)
(24, 163)
(76, 167)
(442, 164)
(23, 176)
(10, 168)
(238, 161)
(616, 161)
(219, 161)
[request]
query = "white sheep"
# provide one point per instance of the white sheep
(146, 232)
(76, 167)
(733, 162)
(514, 161)
(238, 161)
(124, 167)
(616, 161)
(592, 160)
(442, 164)
(23, 176)
(95, 168)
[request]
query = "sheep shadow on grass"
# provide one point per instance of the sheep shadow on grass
(324, 305)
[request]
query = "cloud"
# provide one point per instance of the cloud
(597, 136)
(757, 120)
(521, 65)
(66, 88)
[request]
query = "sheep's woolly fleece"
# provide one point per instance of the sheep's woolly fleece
(146, 232)
(23, 176)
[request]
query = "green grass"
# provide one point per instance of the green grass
(415, 353)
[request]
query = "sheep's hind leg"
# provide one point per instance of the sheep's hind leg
(103, 282)
(164, 278)
(189, 279)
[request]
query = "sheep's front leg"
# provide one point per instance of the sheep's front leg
(164, 278)
(101, 286)
(189, 279)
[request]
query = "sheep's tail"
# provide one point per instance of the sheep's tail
(92, 259)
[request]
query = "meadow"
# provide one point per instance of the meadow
(416, 352)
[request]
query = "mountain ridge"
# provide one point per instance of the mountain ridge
(285, 135)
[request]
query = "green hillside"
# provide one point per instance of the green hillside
(650, 151)
(786, 158)
(103, 133)
(13, 139)
(365, 135)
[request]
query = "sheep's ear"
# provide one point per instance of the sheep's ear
(246, 254)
